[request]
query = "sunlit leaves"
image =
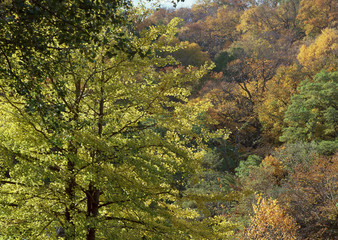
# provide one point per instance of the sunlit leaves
(322, 53)
(106, 162)
(270, 221)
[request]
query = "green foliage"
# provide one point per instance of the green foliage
(49, 30)
(313, 112)
(327, 147)
(227, 154)
(221, 61)
(215, 183)
(244, 166)
(292, 154)
(38, 37)
(100, 137)
(81, 149)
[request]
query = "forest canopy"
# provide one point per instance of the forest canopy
(217, 121)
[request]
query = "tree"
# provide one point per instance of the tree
(89, 150)
(191, 54)
(221, 61)
(275, 21)
(312, 113)
(41, 35)
(244, 166)
(276, 100)
(41, 25)
(215, 26)
(270, 221)
(311, 196)
(279, 171)
(317, 15)
(234, 111)
(321, 54)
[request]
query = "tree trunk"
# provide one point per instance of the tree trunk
(93, 195)
(70, 191)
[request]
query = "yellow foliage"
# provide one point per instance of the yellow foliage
(257, 19)
(270, 221)
(322, 53)
(317, 15)
(277, 99)
(265, 18)
(278, 169)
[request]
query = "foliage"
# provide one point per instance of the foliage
(274, 21)
(213, 182)
(97, 154)
(292, 154)
(227, 154)
(38, 37)
(265, 178)
(107, 132)
(270, 221)
(262, 179)
(311, 196)
(312, 114)
(276, 101)
(244, 166)
(221, 60)
(328, 148)
(279, 172)
(232, 109)
(213, 25)
(40, 25)
(317, 15)
(322, 53)
(191, 54)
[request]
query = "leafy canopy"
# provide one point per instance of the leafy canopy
(92, 134)
(312, 114)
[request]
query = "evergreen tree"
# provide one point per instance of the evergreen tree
(312, 114)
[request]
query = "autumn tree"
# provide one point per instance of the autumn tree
(270, 221)
(311, 196)
(318, 15)
(91, 135)
(274, 21)
(234, 111)
(321, 53)
(276, 100)
(214, 30)
(191, 54)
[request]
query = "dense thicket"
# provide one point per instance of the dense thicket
(274, 87)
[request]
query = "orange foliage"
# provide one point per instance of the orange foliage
(233, 111)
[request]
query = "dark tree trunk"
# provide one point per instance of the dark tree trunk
(92, 209)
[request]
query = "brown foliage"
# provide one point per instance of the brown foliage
(312, 196)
